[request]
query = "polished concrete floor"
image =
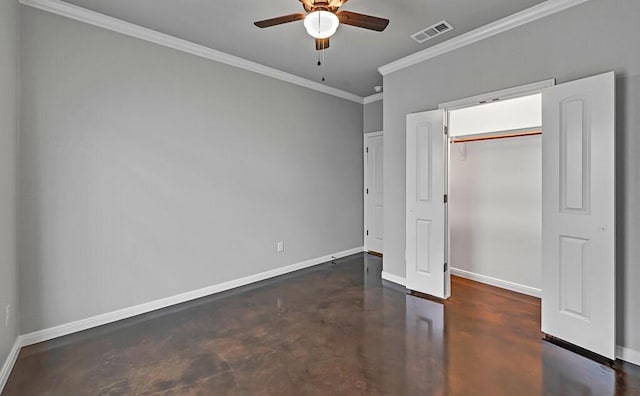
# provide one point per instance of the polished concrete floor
(334, 329)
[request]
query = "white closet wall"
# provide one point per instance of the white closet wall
(501, 116)
(495, 209)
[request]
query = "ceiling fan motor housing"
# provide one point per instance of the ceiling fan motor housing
(320, 6)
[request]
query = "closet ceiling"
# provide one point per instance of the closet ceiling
(355, 54)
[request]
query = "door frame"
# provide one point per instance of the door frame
(364, 185)
(508, 93)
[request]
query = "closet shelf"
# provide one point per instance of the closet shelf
(492, 137)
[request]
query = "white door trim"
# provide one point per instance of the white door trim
(507, 93)
(364, 184)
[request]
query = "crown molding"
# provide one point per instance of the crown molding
(531, 14)
(372, 98)
(117, 25)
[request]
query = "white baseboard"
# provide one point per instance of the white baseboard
(516, 287)
(394, 278)
(622, 353)
(10, 362)
(110, 317)
(628, 355)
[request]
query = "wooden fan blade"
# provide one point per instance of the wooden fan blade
(280, 20)
(363, 21)
(322, 44)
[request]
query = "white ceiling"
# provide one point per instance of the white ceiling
(355, 54)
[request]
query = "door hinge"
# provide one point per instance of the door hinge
(446, 130)
(446, 198)
(367, 232)
(445, 267)
(367, 191)
(367, 150)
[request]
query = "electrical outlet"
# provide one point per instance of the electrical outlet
(7, 315)
(280, 247)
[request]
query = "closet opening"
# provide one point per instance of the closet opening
(505, 186)
(494, 192)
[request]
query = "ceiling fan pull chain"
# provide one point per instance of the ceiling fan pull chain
(323, 69)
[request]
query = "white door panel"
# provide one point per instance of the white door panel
(425, 216)
(578, 213)
(374, 193)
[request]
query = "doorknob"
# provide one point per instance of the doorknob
(601, 228)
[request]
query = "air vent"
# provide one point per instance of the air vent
(432, 31)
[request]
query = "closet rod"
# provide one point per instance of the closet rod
(492, 137)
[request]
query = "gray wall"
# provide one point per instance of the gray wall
(9, 78)
(372, 115)
(147, 172)
(565, 46)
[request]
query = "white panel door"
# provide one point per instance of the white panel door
(374, 193)
(578, 213)
(425, 216)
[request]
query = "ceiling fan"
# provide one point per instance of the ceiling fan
(322, 18)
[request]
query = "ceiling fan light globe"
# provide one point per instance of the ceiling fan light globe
(321, 24)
